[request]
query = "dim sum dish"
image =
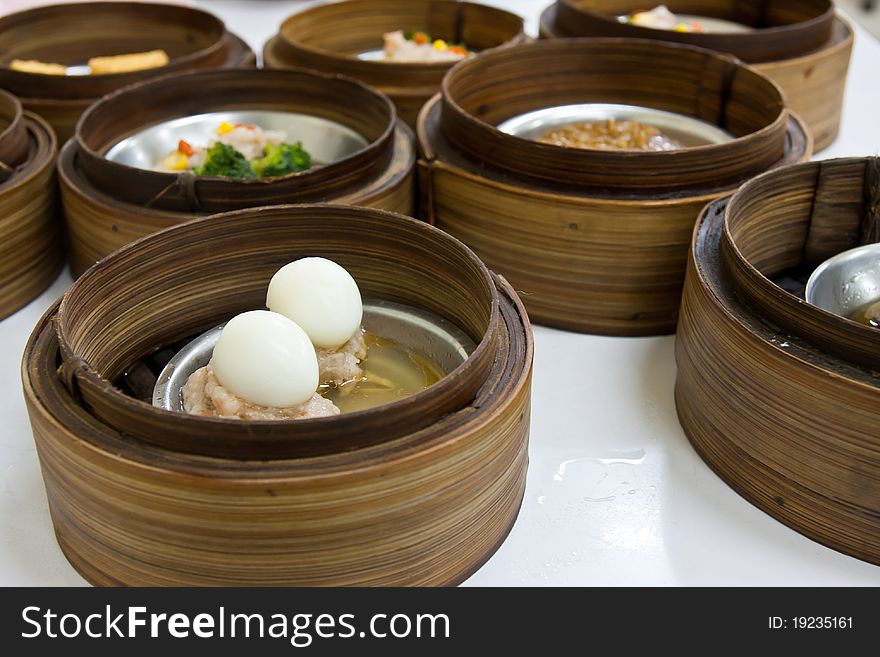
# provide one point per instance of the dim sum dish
(401, 47)
(106, 46)
(346, 357)
(780, 396)
(801, 45)
(662, 18)
(186, 145)
(395, 423)
(577, 168)
(30, 230)
(416, 47)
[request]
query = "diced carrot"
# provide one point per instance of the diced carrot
(184, 147)
(420, 38)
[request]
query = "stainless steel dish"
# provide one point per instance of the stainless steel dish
(846, 282)
(686, 130)
(376, 55)
(439, 339)
(327, 141)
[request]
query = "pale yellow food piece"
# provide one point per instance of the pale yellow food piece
(137, 61)
(36, 66)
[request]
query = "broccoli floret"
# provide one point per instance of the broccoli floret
(224, 160)
(281, 160)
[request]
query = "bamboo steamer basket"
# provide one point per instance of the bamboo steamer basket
(180, 500)
(30, 231)
(329, 38)
(74, 32)
(108, 204)
(812, 75)
(592, 255)
(790, 424)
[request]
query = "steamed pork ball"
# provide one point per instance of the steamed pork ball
(322, 297)
(263, 367)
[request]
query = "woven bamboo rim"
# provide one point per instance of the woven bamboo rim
(328, 38)
(192, 39)
(439, 499)
(30, 232)
(799, 217)
(482, 92)
(104, 324)
(98, 224)
(784, 28)
(790, 427)
(14, 140)
(134, 108)
(609, 264)
(62, 113)
(814, 82)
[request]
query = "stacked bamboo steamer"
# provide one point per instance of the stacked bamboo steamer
(800, 44)
(331, 38)
(595, 240)
(779, 397)
(108, 203)
(74, 32)
(417, 492)
(30, 232)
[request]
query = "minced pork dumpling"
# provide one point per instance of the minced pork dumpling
(203, 395)
(339, 366)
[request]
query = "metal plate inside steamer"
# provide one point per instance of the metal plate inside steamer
(326, 141)
(439, 339)
(686, 130)
(847, 281)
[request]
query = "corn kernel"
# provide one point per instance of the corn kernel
(180, 163)
(440, 44)
(225, 128)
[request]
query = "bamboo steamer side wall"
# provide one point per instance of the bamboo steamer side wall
(814, 85)
(30, 230)
(580, 263)
(203, 515)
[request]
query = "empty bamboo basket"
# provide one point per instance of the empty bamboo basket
(72, 33)
(108, 203)
(30, 230)
(780, 398)
(418, 492)
(595, 240)
(330, 37)
(801, 45)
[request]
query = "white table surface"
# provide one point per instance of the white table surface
(615, 494)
